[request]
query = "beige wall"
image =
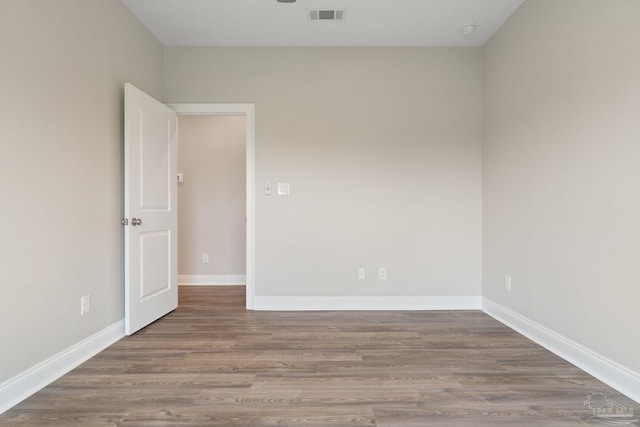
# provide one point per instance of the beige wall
(211, 201)
(63, 68)
(561, 170)
(382, 147)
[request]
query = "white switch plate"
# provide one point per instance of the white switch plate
(267, 188)
(361, 274)
(507, 283)
(382, 273)
(284, 188)
(205, 258)
(180, 178)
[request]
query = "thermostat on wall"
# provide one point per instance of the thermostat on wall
(283, 188)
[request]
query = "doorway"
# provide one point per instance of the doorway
(245, 112)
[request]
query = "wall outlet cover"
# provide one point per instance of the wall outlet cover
(85, 305)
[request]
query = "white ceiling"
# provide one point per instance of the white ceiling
(366, 23)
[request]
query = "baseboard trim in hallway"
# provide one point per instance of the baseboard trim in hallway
(212, 280)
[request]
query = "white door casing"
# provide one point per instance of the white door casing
(247, 110)
(150, 205)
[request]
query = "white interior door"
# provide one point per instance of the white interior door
(150, 191)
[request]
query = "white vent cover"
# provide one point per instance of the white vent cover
(326, 15)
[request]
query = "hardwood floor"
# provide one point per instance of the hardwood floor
(212, 363)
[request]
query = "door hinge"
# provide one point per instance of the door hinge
(125, 221)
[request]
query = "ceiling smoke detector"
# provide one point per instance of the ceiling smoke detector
(467, 29)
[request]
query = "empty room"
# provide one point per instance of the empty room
(427, 213)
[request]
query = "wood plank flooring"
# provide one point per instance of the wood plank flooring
(212, 363)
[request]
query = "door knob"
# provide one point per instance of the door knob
(136, 221)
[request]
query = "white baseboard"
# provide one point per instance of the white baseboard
(212, 280)
(23, 385)
(609, 372)
(296, 303)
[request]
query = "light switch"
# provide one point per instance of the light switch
(284, 188)
(267, 188)
(180, 178)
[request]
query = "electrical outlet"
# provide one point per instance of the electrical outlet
(205, 258)
(507, 283)
(85, 305)
(382, 273)
(361, 274)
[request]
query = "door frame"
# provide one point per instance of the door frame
(248, 111)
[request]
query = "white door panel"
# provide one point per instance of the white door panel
(150, 206)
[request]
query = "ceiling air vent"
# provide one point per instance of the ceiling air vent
(318, 15)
